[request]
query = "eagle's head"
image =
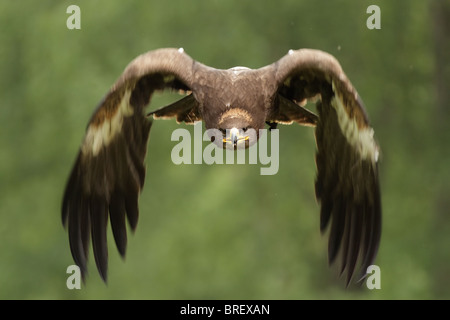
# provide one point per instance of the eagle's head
(235, 108)
(237, 128)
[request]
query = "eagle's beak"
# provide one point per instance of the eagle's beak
(234, 138)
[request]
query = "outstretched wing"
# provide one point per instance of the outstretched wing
(109, 171)
(347, 184)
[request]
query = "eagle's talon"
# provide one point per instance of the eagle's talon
(272, 125)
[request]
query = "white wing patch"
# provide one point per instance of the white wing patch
(98, 137)
(359, 138)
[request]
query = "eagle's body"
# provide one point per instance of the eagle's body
(109, 172)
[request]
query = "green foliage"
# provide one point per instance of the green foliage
(219, 232)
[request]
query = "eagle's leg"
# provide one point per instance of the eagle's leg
(272, 125)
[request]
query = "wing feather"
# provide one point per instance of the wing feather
(347, 184)
(109, 172)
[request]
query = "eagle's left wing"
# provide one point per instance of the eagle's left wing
(347, 184)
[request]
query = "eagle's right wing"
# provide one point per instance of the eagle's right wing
(109, 171)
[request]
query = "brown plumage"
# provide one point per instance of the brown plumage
(109, 171)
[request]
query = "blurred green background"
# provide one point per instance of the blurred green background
(223, 231)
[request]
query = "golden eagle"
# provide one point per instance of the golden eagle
(109, 170)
